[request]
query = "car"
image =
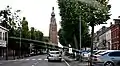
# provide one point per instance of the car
(86, 55)
(98, 51)
(107, 58)
(54, 55)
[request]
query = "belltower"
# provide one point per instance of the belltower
(53, 28)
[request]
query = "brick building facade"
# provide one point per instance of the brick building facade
(115, 34)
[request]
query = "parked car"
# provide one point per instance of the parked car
(107, 58)
(98, 51)
(54, 55)
(86, 55)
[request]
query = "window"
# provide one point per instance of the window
(3, 36)
(0, 35)
(104, 53)
(115, 54)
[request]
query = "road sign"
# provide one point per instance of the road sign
(70, 50)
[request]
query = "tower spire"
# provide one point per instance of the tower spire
(52, 14)
(53, 9)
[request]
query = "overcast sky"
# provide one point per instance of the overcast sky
(38, 12)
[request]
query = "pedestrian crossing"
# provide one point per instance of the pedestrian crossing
(31, 59)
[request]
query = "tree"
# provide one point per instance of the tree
(9, 20)
(39, 35)
(32, 33)
(25, 28)
(70, 10)
(70, 13)
(61, 37)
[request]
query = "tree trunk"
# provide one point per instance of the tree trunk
(75, 40)
(92, 33)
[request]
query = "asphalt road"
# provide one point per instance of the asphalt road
(33, 61)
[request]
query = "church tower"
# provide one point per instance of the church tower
(53, 28)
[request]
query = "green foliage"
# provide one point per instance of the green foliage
(61, 37)
(36, 35)
(25, 28)
(46, 39)
(32, 33)
(70, 10)
(12, 21)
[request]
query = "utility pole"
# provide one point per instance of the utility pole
(80, 36)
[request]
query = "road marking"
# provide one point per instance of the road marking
(33, 65)
(66, 62)
(39, 59)
(27, 59)
(33, 59)
(45, 59)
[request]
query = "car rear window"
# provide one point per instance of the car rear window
(54, 52)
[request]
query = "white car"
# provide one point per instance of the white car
(54, 55)
(107, 58)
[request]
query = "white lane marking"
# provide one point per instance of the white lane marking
(33, 59)
(39, 59)
(27, 59)
(66, 62)
(45, 59)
